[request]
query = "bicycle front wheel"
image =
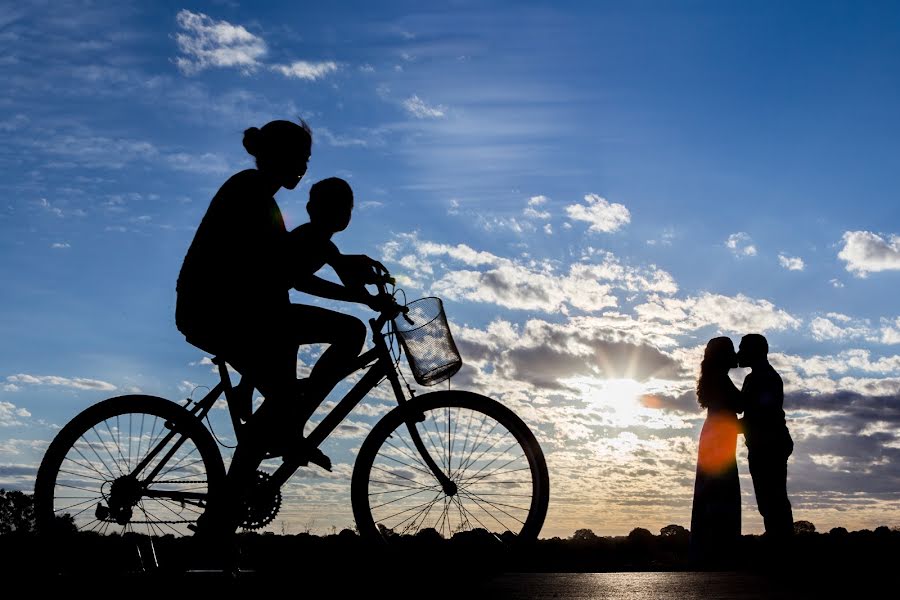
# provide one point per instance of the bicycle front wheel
(502, 484)
(130, 464)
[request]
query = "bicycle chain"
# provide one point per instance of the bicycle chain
(182, 521)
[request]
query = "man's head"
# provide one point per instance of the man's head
(753, 350)
(330, 204)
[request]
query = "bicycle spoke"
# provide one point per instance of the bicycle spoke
(415, 516)
(478, 500)
(75, 487)
(401, 486)
(106, 447)
(406, 464)
(415, 458)
(449, 443)
(137, 457)
(469, 461)
(118, 446)
(98, 456)
(422, 491)
(82, 475)
(494, 474)
(403, 511)
(513, 445)
(129, 441)
(394, 474)
(91, 500)
(433, 445)
(488, 449)
(465, 444)
(89, 466)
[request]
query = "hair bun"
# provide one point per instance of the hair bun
(253, 141)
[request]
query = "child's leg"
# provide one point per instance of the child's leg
(345, 335)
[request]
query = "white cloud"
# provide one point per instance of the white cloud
(419, 109)
(367, 68)
(309, 71)
(665, 239)
(79, 383)
(604, 217)
(734, 314)
(525, 284)
(197, 163)
(823, 328)
(60, 245)
(890, 331)
(866, 252)
(10, 415)
(207, 43)
(791, 263)
(548, 229)
(740, 244)
(341, 141)
(836, 283)
(532, 212)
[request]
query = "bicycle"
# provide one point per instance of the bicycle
(454, 461)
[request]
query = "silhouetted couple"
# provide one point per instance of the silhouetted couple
(233, 297)
(716, 514)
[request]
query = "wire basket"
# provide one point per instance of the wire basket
(430, 349)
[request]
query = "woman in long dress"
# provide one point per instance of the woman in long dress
(716, 514)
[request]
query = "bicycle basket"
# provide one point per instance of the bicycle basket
(430, 349)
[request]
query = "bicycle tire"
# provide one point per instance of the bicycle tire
(448, 414)
(85, 448)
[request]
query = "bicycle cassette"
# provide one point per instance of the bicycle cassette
(261, 504)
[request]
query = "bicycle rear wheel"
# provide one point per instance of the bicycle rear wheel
(493, 458)
(130, 464)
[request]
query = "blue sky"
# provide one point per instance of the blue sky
(627, 178)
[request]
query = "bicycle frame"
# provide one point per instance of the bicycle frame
(380, 365)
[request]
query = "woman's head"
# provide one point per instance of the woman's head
(330, 204)
(281, 149)
(718, 358)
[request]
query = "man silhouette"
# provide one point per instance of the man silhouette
(766, 434)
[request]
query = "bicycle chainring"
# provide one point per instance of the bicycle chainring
(261, 505)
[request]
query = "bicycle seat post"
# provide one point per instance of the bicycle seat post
(228, 389)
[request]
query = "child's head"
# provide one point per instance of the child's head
(330, 204)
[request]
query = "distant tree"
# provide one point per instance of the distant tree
(804, 527)
(429, 534)
(674, 532)
(882, 530)
(639, 534)
(16, 512)
(836, 531)
(584, 535)
(347, 533)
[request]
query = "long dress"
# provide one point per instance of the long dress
(716, 513)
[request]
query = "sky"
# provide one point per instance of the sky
(594, 189)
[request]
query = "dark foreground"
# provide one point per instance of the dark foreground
(839, 565)
(525, 586)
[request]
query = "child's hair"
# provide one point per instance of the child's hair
(327, 197)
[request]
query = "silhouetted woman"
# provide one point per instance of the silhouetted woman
(716, 514)
(233, 296)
